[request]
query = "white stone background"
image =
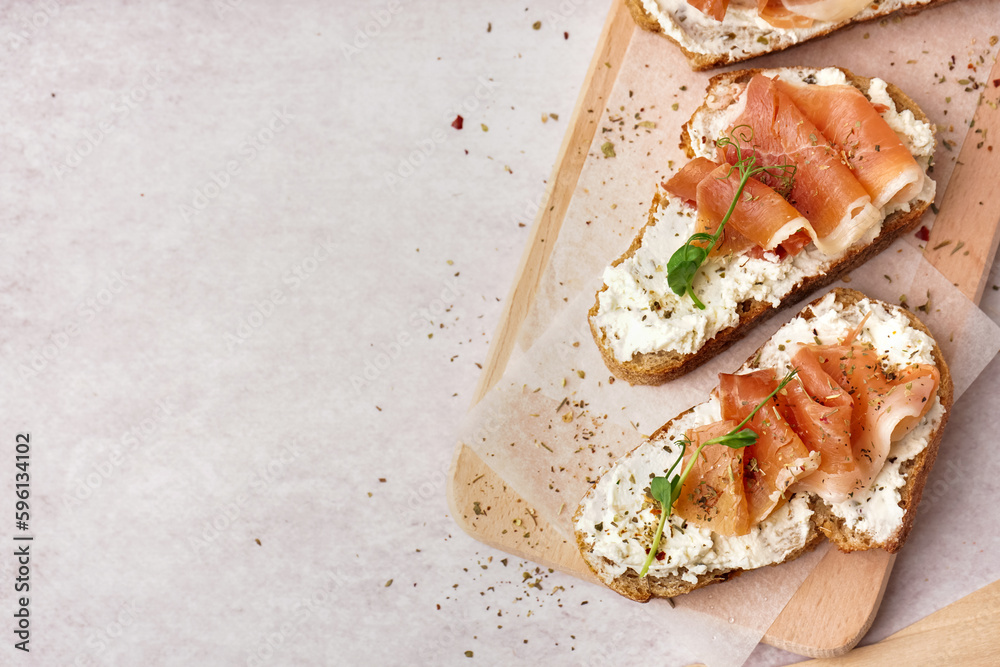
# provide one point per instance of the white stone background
(180, 342)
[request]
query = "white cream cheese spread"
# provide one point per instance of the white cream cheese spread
(639, 313)
(616, 518)
(742, 33)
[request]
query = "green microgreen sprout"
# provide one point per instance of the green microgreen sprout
(685, 262)
(666, 489)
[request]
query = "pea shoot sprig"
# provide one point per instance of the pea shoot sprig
(666, 489)
(686, 261)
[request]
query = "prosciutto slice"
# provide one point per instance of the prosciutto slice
(824, 191)
(779, 458)
(761, 218)
(788, 13)
(825, 10)
(883, 409)
(712, 496)
(856, 129)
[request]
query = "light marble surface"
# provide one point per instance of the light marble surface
(251, 272)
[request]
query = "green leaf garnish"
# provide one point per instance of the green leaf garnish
(666, 490)
(683, 266)
(685, 262)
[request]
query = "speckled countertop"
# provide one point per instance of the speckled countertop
(252, 270)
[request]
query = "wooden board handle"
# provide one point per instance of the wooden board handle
(963, 242)
(597, 85)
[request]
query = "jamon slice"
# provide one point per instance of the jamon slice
(778, 458)
(714, 8)
(788, 13)
(684, 183)
(820, 411)
(762, 217)
(884, 409)
(761, 214)
(780, 16)
(825, 10)
(847, 118)
(824, 190)
(712, 496)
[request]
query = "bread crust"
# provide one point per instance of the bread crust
(651, 368)
(703, 61)
(823, 522)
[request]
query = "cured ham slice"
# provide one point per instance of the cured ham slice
(684, 183)
(824, 190)
(882, 164)
(761, 218)
(794, 244)
(714, 8)
(788, 13)
(780, 16)
(819, 410)
(825, 10)
(761, 214)
(779, 458)
(712, 496)
(884, 409)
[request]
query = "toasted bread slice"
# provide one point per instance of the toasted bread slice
(911, 458)
(716, 44)
(659, 366)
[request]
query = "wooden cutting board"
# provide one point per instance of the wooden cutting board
(837, 603)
